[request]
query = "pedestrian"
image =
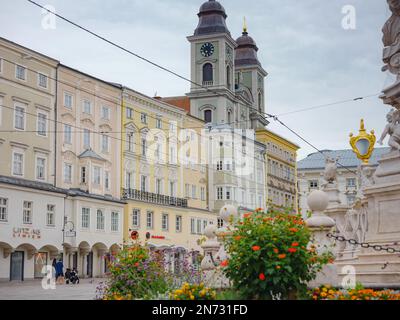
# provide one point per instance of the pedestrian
(59, 272)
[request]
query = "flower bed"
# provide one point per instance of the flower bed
(328, 293)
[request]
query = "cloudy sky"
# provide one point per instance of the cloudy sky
(311, 59)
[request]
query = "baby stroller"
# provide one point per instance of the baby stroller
(71, 276)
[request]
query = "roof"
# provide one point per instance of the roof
(212, 18)
(182, 102)
(31, 184)
(89, 153)
(347, 158)
(80, 193)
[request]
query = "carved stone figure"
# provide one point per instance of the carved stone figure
(392, 129)
(391, 39)
(330, 170)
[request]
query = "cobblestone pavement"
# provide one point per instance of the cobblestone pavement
(32, 290)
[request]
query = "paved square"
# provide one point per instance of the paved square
(32, 290)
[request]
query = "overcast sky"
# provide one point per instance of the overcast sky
(310, 58)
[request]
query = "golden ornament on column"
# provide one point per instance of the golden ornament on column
(363, 144)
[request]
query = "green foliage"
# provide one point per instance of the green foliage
(269, 256)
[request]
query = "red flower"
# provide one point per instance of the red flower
(136, 264)
(295, 244)
(246, 215)
(224, 263)
(261, 276)
(292, 250)
(255, 248)
(293, 229)
(237, 238)
(282, 256)
(276, 250)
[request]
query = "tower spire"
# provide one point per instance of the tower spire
(244, 26)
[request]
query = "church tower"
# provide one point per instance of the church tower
(212, 93)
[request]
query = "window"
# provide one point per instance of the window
(228, 193)
(164, 222)
(87, 107)
(351, 182)
(114, 221)
(83, 175)
(3, 209)
(86, 138)
(100, 220)
(50, 218)
(19, 118)
(144, 147)
(27, 214)
(67, 173)
(208, 74)
(136, 218)
(192, 226)
(203, 194)
(313, 184)
(194, 192)
(172, 189)
(129, 180)
(158, 123)
(351, 199)
(219, 165)
(198, 226)
(40, 168)
(85, 218)
(172, 155)
(130, 142)
(228, 77)
(159, 183)
(42, 80)
(97, 175)
(143, 183)
(42, 124)
(129, 113)
(208, 116)
(18, 164)
(220, 192)
(187, 187)
(105, 113)
(149, 219)
(220, 223)
(68, 100)
(104, 143)
(178, 224)
(172, 127)
(107, 180)
(143, 118)
(67, 134)
(20, 72)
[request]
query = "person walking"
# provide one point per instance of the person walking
(59, 272)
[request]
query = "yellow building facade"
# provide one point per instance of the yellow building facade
(166, 196)
(281, 169)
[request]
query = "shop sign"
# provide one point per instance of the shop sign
(27, 233)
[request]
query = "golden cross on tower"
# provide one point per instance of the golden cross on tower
(244, 25)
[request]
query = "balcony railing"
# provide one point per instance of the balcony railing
(208, 83)
(133, 194)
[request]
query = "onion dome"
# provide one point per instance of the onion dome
(246, 51)
(212, 19)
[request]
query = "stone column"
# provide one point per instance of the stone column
(320, 225)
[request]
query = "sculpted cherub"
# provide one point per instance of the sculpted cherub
(392, 129)
(330, 170)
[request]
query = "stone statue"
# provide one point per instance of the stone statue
(392, 129)
(391, 39)
(330, 170)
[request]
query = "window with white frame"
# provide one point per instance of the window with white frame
(107, 183)
(18, 164)
(50, 217)
(198, 226)
(351, 182)
(19, 118)
(114, 221)
(164, 221)
(86, 138)
(172, 155)
(129, 113)
(172, 189)
(220, 222)
(220, 193)
(42, 80)
(149, 219)
(144, 147)
(159, 186)
(42, 124)
(129, 180)
(85, 219)
(172, 127)
(87, 107)
(143, 183)
(192, 226)
(100, 220)
(105, 143)
(143, 118)
(68, 100)
(67, 173)
(40, 168)
(27, 212)
(219, 165)
(83, 175)
(228, 193)
(178, 224)
(203, 193)
(130, 141)
(20, 72)
(135, 218)
(105, 113)
(67, 134)
(96, 175)
(158, 123)
(3, 209)
(187, 190)
(194, 192)
(313, 184)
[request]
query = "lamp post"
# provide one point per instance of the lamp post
(363, 144)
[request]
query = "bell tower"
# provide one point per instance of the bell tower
(212, 92)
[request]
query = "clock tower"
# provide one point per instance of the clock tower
(212, 93)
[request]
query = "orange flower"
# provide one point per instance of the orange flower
(292, 250)
(276, 250)
(261, 276)
(282, 256)
(255, 248)
(278, 267)
(136, 264)
(293, 229)
(246, 215)
(237, 238)
(224, 263)
(295, 244)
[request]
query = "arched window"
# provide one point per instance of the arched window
(208, 73)
(229, 117)
(228, 77)
(260, 101)
(208, 116)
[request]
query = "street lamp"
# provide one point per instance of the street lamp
(363, 144)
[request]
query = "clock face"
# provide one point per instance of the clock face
(207, 49)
